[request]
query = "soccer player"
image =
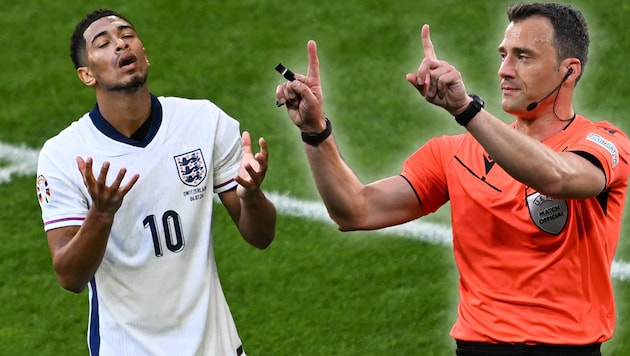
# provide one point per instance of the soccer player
(143, 241)
(536, 205)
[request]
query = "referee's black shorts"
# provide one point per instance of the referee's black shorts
(467, 348)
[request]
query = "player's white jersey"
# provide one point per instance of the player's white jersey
(157, 290)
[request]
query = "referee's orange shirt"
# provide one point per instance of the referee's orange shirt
(533, 269)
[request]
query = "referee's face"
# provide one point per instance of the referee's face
(116, 57)
(529, 66)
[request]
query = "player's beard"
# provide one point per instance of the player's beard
(132, 86)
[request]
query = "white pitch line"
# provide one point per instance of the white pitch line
(16, 160)
(21, 160)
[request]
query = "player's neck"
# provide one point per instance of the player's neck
(126, 112)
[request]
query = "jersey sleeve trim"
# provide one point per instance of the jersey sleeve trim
(63, 222)
(412, 188)
(225, 186)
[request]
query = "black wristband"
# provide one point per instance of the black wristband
(471, 111)
(314, 139)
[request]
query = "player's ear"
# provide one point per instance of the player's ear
(86, 76)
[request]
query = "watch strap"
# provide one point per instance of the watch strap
(314, 139)
(471, 111)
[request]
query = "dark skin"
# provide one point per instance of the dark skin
(116, 67)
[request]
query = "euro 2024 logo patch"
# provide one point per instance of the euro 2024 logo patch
(43, 191)
(191, 167)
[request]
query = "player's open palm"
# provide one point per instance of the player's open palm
(105, 199)
(253, 167)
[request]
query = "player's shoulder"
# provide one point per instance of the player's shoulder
(70, 136)
(197, 111)
(179, 103)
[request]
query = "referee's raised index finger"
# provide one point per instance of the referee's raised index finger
(313, 61)
(427, 45)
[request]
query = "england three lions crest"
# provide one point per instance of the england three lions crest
(191, 167)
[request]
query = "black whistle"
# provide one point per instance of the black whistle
(286, 73)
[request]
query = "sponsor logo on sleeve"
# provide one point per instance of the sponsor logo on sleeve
(609, 146)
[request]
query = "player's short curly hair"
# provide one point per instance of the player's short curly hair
(571, 38)
(77, 41)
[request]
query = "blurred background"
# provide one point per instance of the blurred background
(315, 291)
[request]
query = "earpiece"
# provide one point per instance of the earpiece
(534, 105)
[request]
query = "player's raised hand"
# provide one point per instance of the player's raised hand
(106, 199)
(438, 81)
(303, 96)
(253, 167)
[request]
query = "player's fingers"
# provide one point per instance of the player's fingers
(125, 189)
(254, 175)
(247, 143)
(264, 151)
(85, 172)
(245, 182)
(81, 165)
(262, 162)
(102, 176)
(80, 162)
(427, 45)
(241, 181)
(119, 178)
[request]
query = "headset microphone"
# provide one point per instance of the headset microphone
(534, 105)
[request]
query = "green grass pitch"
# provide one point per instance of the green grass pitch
(315, 291)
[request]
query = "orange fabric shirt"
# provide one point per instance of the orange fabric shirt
(533, 269)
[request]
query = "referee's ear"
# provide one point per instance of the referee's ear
(86, 76)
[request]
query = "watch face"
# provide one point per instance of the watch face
(477, 99)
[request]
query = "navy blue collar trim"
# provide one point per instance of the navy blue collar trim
(108, 130)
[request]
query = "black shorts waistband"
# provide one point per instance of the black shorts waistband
(469, 348)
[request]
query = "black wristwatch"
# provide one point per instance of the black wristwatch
(473, 108)
(315, 139)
